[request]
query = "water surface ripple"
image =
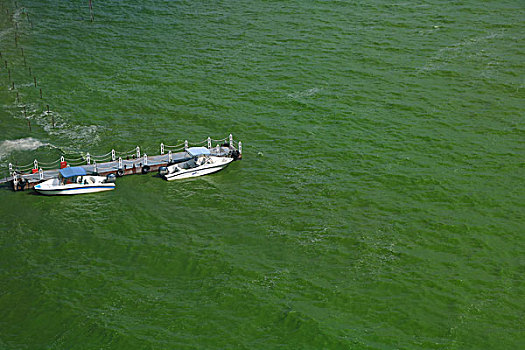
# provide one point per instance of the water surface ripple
(379, 204)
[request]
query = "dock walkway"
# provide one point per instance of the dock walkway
(134, 164)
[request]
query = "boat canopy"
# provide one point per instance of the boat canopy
(72, 171)
(198, 151)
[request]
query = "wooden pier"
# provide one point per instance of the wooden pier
(133, 164)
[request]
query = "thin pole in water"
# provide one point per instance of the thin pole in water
(91, 10)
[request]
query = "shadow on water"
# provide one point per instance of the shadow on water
(34, 193)
(6, 187)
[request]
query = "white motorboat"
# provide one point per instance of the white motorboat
(75, 180)
(201, 162)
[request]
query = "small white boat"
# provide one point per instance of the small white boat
(201, 163)
(75, 180)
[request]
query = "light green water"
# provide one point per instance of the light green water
(379, 204)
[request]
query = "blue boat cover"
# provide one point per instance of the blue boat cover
(198, 151)
(72, 171)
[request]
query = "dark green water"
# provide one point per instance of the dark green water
(379, 204)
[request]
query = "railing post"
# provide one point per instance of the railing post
(88, 158)
(240, 147)
(209, 142)
(113, 155)
(138, 152)
(161, 148)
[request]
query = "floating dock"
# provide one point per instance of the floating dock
(133, 162)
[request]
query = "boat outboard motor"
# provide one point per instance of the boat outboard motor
(21, 183)
(236, 155)
(163, 171)
(111, 178)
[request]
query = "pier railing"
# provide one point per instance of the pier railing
(113, 155)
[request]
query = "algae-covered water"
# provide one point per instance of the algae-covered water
(379, 203)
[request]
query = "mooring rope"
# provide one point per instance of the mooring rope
(24, 169)
(102, 156)
(52, 163)
(77, 163)
(47, 167)
(126, 153)
(99, 159)
(30, 165)
(72, 159)
(176, 146)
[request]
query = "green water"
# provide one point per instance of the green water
(379, 204)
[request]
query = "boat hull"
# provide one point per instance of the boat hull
(218, 164)
(87, 184)
(75, 190)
